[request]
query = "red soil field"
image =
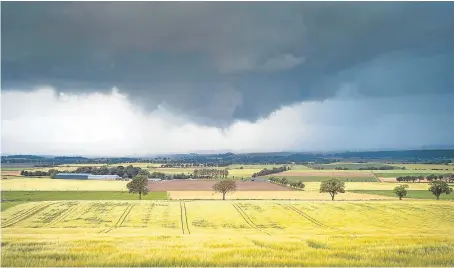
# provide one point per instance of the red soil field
(323, 174)
(207, 185)
(10, 173)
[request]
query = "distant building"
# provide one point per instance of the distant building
(85, 176)
(72, 176)
(154, 179)
(104, 177)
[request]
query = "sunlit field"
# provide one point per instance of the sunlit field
(426, 166)
(229, 233)
(315, 186)
(418, 194)
(270, 195)
(41, 184)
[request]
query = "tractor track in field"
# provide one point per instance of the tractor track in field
(181, 218)
(247, 219)
(63, 215)
(303, 214)
(313, 220)
(120, 220)
(184, 218)
(25, 214)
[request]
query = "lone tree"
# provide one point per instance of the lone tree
(401, 191)
(439, 187)
(224, 186)
(138, 185)
(332, 186)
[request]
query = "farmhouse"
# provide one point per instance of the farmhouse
(85, 176)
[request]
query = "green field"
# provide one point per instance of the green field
(46, 184)
(349, 165)
(425, 166)
(322, 178)
(246, 233)
(30, 196)
(418, 194)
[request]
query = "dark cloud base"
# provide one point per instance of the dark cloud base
(219, 62)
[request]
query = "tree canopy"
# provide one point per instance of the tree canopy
(401, 191)
(224, 186)
(332, 186)
(439, 187)
(138, 185)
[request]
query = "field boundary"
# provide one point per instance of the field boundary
(375, 176)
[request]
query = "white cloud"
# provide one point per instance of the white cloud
(108, 124)
(43, 122)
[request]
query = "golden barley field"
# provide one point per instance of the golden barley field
(41, 184)
(229, 233)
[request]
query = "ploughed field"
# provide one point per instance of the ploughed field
(229, 233)
(207, 185)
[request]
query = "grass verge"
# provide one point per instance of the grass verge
(17, 197)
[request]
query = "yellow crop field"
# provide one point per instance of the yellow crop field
(315, 186)
(239, 173)
(35, 184)
(278, 195)
(229, 233)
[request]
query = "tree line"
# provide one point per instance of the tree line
(128, 171)
(124, 172)
(189, 165)
(211, 173)
(274, 170)
(449, 177)
(37, 173)
(437, 188)
(284, 181)
(164, 176)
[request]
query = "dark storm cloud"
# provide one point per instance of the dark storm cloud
(217, 62)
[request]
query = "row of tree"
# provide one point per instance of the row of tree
(189, 165)
(449, 177)
(211, 173)
(437, 188)
(124, 172)
(284, 181)
(274, 170)
(380, 168)
(128, 171)
(35, 173)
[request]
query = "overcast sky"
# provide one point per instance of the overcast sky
(117, 78)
